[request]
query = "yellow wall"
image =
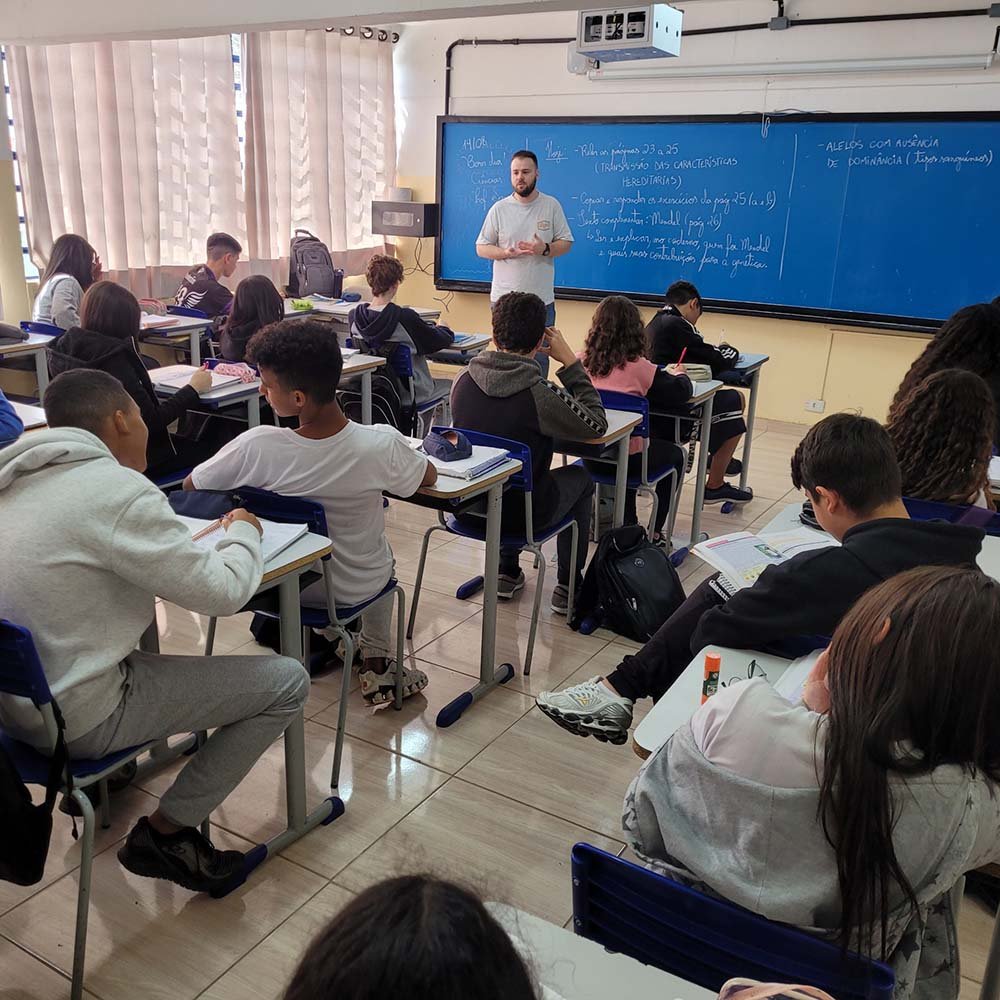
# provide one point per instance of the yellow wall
(849, 369)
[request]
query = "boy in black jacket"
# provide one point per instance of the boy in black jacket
(671, 333)
(847, 466)
(382, 322)
(503, 392)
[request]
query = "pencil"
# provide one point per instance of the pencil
(680, 360)
(207, 530)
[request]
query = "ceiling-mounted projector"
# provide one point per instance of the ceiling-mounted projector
(616, 34)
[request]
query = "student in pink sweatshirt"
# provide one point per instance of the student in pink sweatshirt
(614, 358)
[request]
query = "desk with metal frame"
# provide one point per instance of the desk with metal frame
(225, 396)
(186, 328)
(363, 365)
(34, 345)
(749, 366)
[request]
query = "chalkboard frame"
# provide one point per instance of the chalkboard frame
(879, 321)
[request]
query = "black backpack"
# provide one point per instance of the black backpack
(310, 268)
(392, 401)
(27, 828)
(630, 587)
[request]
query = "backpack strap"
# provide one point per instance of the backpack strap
(59, 772)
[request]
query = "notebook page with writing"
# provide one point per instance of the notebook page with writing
(178, 376)
(276, 538)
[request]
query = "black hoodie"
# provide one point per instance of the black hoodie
(670, 335)
(809, 594)
(78, 348)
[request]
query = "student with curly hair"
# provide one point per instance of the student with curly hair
(943, 436)
(614, 358)
(970, 339)
(342, 465)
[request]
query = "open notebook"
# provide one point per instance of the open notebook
(178, 376)
(276, 538)
(995, 472)
(148, 321)
(742, 556)
(481, 461)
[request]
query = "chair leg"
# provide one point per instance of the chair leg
(535, 608)
(210, 636)
(420, 577)
(573, 549)
(104, 798)
(83, 893)
(345, 687)
(400, 647)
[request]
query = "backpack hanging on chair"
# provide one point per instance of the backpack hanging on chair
(310, 268)
(630, 586)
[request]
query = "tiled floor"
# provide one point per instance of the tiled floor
(497, 800)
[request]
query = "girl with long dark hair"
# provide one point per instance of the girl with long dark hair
(943, 435)
(257, 304)
(970, 339)
(73, 267)
(855, 813)
(614, 358)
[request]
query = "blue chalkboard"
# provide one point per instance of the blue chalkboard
(892, 220)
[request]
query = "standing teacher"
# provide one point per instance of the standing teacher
(522, 235)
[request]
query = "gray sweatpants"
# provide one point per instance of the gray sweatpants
(251, 699)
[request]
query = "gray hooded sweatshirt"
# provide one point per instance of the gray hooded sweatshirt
(761, 846)
(86, 546)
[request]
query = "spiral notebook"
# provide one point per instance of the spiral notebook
(276, 538)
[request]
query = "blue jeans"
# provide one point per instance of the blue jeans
(542, 360)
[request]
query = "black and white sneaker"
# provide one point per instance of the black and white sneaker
(727, 494)
(508, 586)
(187, 858)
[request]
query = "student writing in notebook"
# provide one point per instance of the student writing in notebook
(855, 815)
(103, 544)
(343, 465)
(846, 466)
(943, 435)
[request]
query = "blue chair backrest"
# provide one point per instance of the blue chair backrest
(516, 449)
(934, 510)
(287, 510)
(21, 671)
(401, 359)
(704, 940)
(185, 311)
(31, 326)
(630, 404)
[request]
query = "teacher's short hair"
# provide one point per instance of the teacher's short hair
(525, 154)
(518, 322)
(85, 398)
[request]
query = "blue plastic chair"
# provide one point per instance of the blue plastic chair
(647, 479)
(401, 359)
(21, 674)
(660, 922)
(297, 510)
(933, 510)
(31, 326)
(473, 525)
(186, 311)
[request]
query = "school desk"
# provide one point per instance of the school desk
(292, 313)
(363, 365)
(338, 313)
(443, 495)
(462, 352)
(749, 366)
(621, 423)
(245, 394)
(35, 345)
(33, 417)
(184, 331)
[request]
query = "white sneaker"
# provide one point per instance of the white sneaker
(589, 709)
(377, 689)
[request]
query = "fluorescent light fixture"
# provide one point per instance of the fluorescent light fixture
(621, 71)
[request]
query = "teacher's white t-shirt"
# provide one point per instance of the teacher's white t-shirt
(346, 473)
(510, 222)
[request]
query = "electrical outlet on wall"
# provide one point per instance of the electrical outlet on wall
(816, 405)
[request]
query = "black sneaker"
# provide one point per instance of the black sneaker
(186, 857)
(727, 494)
(508, 586)
(734, 468)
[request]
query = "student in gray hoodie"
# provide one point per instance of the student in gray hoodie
(855, 813)
(88, 544)
(504, 393)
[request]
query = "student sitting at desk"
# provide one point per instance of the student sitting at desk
(342, 465)
(855, 813)
(103, 545)
(413, 936)
(614, 358)
(672, 333)
(969, 339)
(847, 467)
(382, 322)
(201, 288)
(943, 436)
(504, 393)
(256, 304)
(11, 427)
(106, 341)
(72, 268)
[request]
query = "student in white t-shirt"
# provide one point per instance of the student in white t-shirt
(523, 234)
(343, 465)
